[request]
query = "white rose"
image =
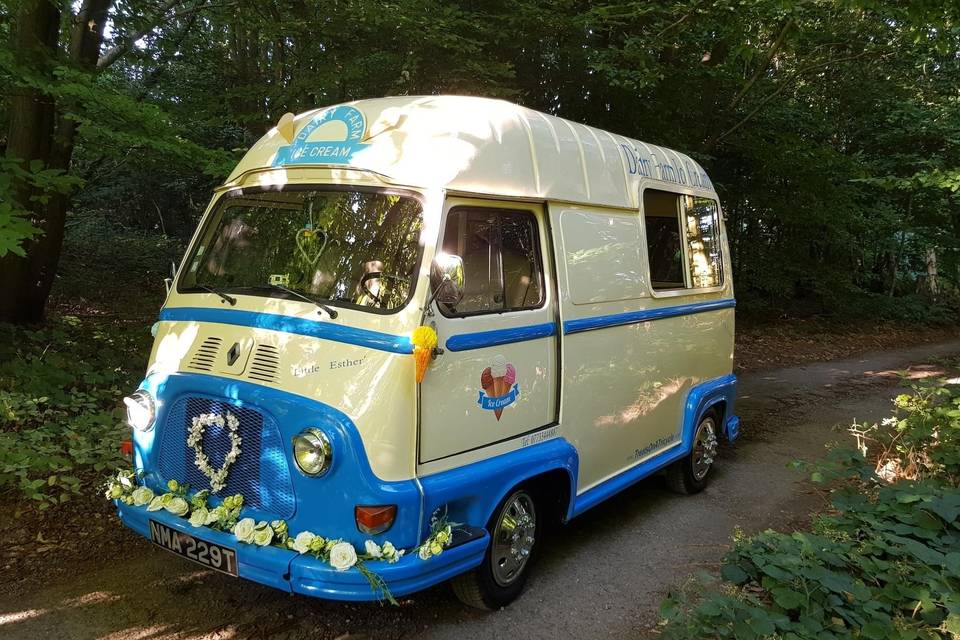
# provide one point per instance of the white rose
(213, 515)
(142, 496)
(177, 506)
(156, 504)
(244, 530)
(343, 556)
(390, 553)
(199, 517)
(424, 552)
(301, 544)
(373, 549)
(263, 534)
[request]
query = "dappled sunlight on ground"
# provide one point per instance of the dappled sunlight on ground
(916, 372)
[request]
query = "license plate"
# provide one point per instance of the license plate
(209, 554)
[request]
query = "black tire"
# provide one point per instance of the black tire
(692, 473)
(492, 586)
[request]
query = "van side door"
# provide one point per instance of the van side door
(497, 377)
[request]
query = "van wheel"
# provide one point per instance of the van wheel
(501, 577)
(690, 475)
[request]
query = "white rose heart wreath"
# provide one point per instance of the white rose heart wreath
(218, 477)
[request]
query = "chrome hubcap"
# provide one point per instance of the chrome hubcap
(513, 538)
(704, 448)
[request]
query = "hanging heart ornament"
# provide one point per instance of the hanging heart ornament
(311, 243)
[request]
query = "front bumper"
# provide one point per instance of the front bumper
(289, 571)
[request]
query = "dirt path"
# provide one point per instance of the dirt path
(602, 576)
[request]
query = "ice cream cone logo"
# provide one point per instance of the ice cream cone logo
(500, 388)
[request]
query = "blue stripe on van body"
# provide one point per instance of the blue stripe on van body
(480, 339)
(646, 315)
(289, 324)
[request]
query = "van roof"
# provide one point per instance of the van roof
(473, 145)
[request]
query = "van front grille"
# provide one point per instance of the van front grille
(260, 473)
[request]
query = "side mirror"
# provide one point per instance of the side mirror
(446, 279)
(168, 282)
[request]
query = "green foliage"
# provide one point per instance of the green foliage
(15, 223)
(830, 130)
(882, 566)
(884, 562)
(60, 393)
(922, 439)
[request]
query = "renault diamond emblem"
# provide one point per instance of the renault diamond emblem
(233, 354)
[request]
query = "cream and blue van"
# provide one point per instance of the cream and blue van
(578, 284)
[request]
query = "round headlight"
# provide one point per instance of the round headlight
(312, 452)
(141, 410)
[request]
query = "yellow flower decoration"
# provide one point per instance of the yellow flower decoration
(424, 341)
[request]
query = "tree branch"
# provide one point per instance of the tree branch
(712, 143)
(121, 48)
(774, 48)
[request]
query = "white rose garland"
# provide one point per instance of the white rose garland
(339, 554)
(218, 477)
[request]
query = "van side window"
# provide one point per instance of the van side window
(683, 243)
(501, 259)
(703, 242)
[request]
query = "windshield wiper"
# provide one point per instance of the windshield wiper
(330, 310)
(223, 296)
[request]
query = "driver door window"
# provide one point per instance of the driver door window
(501, 260)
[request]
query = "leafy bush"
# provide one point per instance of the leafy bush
(912, 309)
(922, 439)
(884, 563)
(61, 424)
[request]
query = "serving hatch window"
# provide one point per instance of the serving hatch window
(683, 240)
(345, 247)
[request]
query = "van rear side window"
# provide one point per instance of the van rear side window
(683, 241)
(501, 259)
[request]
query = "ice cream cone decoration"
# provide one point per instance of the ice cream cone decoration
(497, 379)
(424, 341)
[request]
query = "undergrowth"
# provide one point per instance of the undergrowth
(882, 563)
(61, 417)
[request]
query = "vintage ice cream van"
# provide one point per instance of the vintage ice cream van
(411, 332)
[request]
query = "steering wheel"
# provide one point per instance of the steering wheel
(378, 275)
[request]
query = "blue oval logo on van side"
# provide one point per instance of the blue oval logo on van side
(325, 151)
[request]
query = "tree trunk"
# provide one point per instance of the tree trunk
(933, 280)
(40, 131)
(25, 282)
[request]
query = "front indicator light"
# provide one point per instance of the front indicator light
(141, 410)
(375, 519)
(312, 452)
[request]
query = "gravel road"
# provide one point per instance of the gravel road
(601, 576)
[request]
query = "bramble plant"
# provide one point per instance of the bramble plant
(884, 563)
(921, 440)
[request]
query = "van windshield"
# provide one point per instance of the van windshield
(350, 248)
